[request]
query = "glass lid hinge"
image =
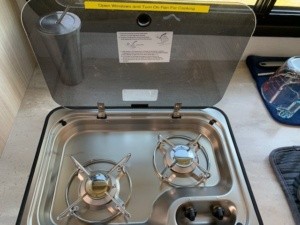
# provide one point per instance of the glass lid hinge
(176, 114)
(101, 111)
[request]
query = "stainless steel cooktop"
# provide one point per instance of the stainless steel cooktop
(139, 167)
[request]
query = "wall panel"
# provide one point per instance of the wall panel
(16, 66)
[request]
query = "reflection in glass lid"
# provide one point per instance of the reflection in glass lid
(282, 89)
(123, 53)
(71, 3)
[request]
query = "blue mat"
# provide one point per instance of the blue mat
(254, 67)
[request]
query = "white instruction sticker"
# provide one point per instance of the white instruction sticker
(144, 47)
(149, 95)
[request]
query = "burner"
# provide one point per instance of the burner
(99, 188)
(102, 186)
(97, 185)
(181, 161)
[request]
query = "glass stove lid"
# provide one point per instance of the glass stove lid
(137, 52)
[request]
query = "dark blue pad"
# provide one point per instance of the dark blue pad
(254, 67)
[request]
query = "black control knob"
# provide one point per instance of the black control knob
(190, 213)
(218, 212)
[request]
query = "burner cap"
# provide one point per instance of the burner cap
(97, 185)
(182, 155)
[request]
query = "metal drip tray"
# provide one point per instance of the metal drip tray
(146, 189)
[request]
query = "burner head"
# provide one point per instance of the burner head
(97, 185)
(181, 159)
(182, 155)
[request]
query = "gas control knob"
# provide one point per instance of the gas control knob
(218, 212)
(190, 213)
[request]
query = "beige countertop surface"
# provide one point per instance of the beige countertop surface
(256, 134)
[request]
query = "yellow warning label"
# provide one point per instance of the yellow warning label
(134, 6)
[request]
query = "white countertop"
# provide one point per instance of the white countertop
(256, 134)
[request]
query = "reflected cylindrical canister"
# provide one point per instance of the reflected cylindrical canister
(61, 36)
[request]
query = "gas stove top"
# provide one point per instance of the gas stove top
(140, 160)
(139, 167)
(104, 187)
